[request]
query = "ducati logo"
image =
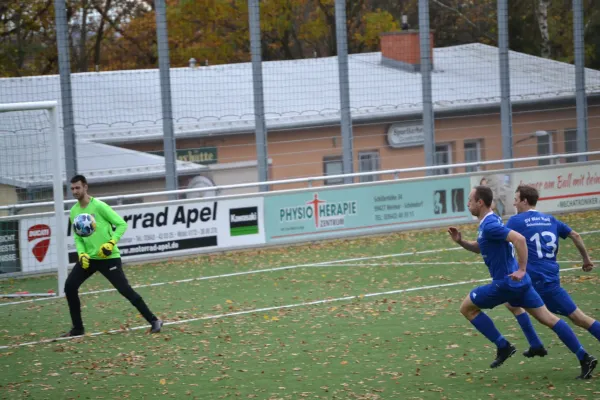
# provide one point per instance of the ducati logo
(40, 235)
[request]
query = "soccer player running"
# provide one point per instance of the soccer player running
(99, 252)
(510, 282)
(542, 232)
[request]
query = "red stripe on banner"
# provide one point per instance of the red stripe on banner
(566, 196)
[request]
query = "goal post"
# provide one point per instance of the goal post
(32, 163)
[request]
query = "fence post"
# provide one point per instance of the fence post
(505, 104)
(346, 117)
(259, 100)
(581, 100)
(164, 66)
(66, 95)
(426, 67)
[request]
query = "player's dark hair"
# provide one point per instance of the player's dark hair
(485, 194)
(529, 194)
(79, 178)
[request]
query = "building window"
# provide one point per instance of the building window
(443, 156)
(34, 195)
(332, 165)
(544, 146)
(472, 154)
(571, 144)
(368, 161)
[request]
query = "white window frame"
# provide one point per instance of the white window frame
(328, 160)
(565, 141)
(449, 152)
(375, 155)
(550, 137)
(477, 143)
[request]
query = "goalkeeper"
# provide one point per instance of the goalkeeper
(99, 252)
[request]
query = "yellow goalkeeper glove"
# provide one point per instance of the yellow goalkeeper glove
(107, 248)
(84, 260)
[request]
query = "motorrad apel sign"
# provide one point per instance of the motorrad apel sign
(169, 229)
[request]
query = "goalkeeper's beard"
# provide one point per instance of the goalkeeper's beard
(81, 197)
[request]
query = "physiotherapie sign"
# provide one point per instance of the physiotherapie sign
(363, 208)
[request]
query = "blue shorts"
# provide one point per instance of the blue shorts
(492, 295)
(556, 298)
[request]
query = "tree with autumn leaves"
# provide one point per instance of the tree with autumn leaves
(121, 34)
(218, 32)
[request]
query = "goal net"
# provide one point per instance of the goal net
(32, 239)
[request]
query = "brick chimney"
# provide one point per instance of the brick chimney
(402, 50)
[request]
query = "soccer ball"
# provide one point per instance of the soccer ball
(84, 225)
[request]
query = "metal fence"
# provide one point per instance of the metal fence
(276, 90)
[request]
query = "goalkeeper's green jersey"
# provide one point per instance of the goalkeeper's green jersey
(106, 219)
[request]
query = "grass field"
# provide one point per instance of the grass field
(370, 318)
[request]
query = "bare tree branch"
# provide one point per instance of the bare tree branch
(591, 19)
(100, 33)
(114, 24)
(467, 20)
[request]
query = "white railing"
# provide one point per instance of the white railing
(396, 172)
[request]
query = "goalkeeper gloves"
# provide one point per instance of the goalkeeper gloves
(107, 248)
(84, 260)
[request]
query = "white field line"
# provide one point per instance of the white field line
(259, 271)
(250, 272)
(259, 310)
(401, 264)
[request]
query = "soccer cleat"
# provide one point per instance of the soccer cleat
(73, 332)
(156, 325)
(587, 366)
(535, 351)
(503, 354)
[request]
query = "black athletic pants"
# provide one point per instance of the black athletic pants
(113, 271)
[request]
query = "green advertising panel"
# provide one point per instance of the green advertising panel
(9, 246)
(353, 210)
(202, 155)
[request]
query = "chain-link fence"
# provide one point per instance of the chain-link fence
(273, 89)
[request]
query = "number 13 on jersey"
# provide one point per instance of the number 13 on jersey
(549, 244)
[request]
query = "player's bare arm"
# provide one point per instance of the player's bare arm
(456, 236)
(578, 241)
(520, 245)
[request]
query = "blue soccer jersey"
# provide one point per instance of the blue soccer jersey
(497, 253)
(541, 232)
